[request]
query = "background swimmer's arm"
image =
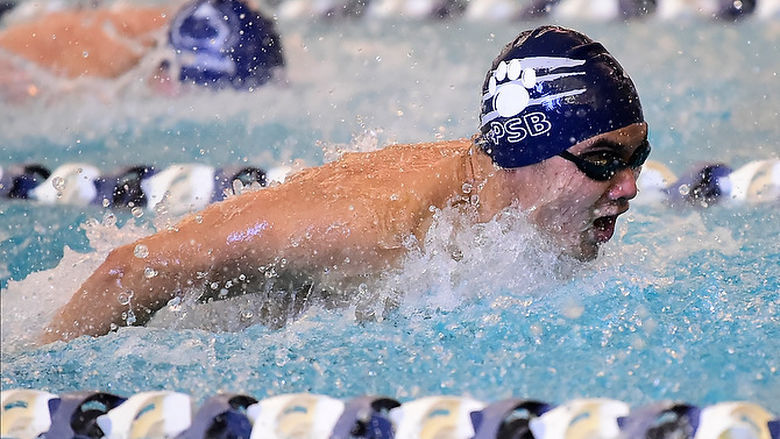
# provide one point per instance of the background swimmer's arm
(99, 43)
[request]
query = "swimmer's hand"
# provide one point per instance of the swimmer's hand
(116, 294)
(133, 282)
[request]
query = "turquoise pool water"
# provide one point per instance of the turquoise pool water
(682, 305)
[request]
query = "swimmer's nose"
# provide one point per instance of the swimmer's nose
(623, 185)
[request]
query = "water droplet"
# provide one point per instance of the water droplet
(109, 220)
(161, 208)
(394, 197)
(175, 304)
(199, 219)
(141, 251)
(58, 183)
(106, 203)
(457, 254)
(149, 272)
(125, 297)
(466, 188)
(214, 285)
(474, 199)
(137, 212)
(684, 189)
(85, 54)
(130, 318)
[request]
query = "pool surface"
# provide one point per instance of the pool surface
(682, 305)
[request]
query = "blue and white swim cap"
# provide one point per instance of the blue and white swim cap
(225, 43)
(549, 89)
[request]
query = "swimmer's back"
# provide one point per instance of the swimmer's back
(398, 177)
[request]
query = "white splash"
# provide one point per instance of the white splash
(29, 304)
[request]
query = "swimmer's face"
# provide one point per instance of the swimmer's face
(578, 211)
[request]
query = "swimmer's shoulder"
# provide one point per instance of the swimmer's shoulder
(384, 165)
(415, 156)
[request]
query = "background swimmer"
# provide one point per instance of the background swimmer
(213, 43)
(562, 137)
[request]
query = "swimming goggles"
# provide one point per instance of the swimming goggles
(603, 165)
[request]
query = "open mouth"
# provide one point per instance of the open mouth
(604, 228)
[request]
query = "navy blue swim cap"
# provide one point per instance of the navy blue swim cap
(225, 43)
(549, 89)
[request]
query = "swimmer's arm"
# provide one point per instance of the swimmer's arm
(100, 43)
(140, 277)
(143, 276)
(223, 241)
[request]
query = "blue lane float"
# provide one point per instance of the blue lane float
(756, 182)
(512, 10)
(163, 414)
(724, 11)
(180, 188)
(188, 187)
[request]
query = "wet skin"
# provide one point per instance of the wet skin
(578, 211)
(350, 217)
(91, 42)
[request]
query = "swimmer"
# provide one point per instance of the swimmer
(212, 43)
(562, 137)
